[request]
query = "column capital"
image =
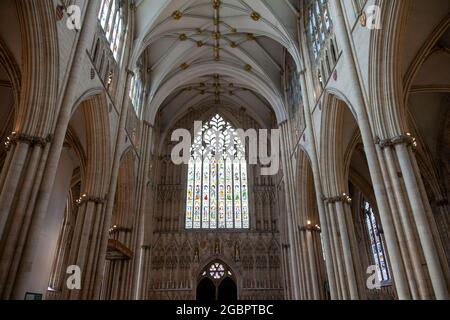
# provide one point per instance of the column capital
(344, 198)
(406, 138)
(16, 137)
(310, 227)
(85, 198)
(148, 124)
(118, 229)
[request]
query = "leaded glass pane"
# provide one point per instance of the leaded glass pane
(217, 183)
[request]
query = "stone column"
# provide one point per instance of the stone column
(347, 249)
(43, 176)
(145, 213)
(398, 268)
(26, 168)
(290, 208)
(308, 88)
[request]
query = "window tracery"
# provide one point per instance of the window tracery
(217, 184)
(111, 18)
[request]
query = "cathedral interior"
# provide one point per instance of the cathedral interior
(346, 196)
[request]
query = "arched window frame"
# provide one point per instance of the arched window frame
(321, 39)
(112, 19)
(319, 25)
(136, 93)
(377, 245)
(217, 180)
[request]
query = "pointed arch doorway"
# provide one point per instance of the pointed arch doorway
(216, 283)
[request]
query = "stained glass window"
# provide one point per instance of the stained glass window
(377, 246)
(217, 271)
(111, 17)
(136, 92)
(319, 25)
(217, 182)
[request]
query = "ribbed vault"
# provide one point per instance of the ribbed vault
(211, 50)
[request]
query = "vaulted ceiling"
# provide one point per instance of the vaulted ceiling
(227, 52)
